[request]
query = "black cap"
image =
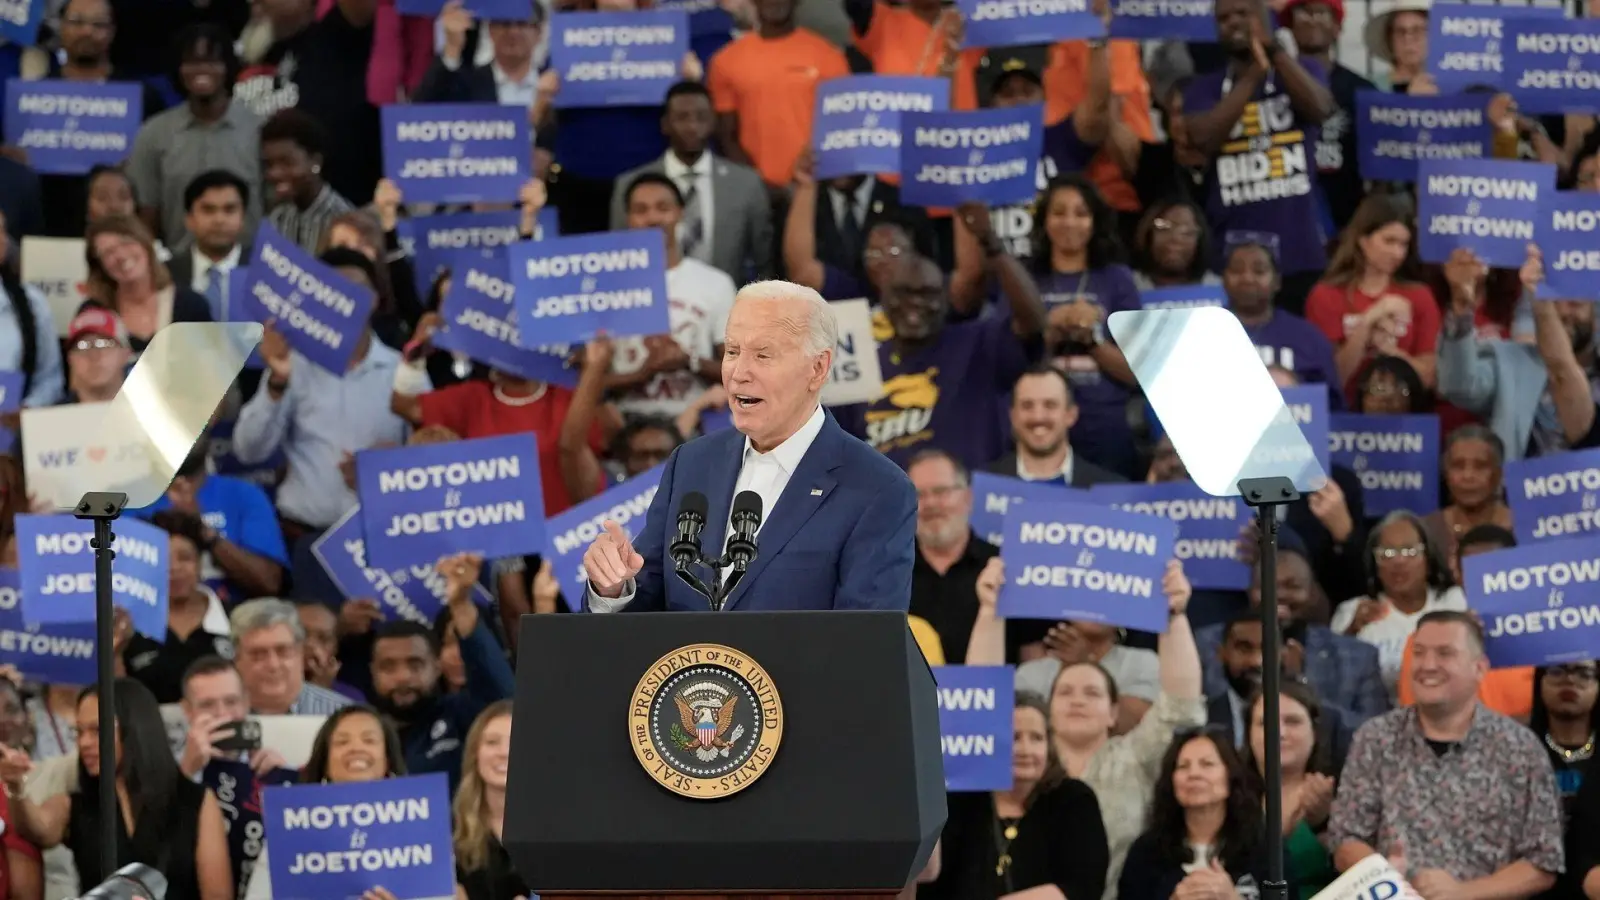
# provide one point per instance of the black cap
(1000, 64)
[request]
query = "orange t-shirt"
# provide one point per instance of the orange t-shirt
(771, 85)
(1508, 692)
(1066, 83)
(898, 42)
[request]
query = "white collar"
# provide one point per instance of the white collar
(676, 169)
(1065, 473)
(501, 79)
(215, 620)
(861, 196)
(204, 263)
(789, 453)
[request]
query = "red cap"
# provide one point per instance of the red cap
(1285, 15)
(98, 322)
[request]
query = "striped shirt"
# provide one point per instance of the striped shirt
(306, 226)
(317, 701)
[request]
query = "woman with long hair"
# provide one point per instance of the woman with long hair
(1407, 577)
(1077, 265)
(1474, 479)
(1369, 303)
(1308, 768)
(355, 744)
(483, 868)
(165, 821)
(1205, 836)
(27, 333)
(362, 231)
(1172, 246)
(127, 277)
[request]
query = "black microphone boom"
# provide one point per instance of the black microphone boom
(746, 521)
(685, 548)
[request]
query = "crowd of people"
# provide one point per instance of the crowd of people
(1138, 760)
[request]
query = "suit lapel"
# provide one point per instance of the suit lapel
(808, 487)
(724, 209)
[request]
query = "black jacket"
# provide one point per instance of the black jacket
(1084, 473)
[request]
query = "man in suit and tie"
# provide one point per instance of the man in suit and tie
(727, 221)
(459, 75)
(214, 203)
(839, 523)
(1042, 412)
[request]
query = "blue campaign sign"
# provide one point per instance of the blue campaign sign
(1012, 23)
(11, 391)
(489, 10)
(57, 566)
(456, 153)
(1308, 404)
(568, 534)
(343, 840)
(1537, 602)
(416, 592)
(48, 654)
(1487, 206)
(479, 496)
(1555, 496)
(69, 127)
(1208, 527)
(1396, 131)
(1467, 43)
(19, 21)
(856, 129)
(433, 241)
(1165, 20)
(976, 713)
(988, 155)
(1186, 296)
(571, 289)
(1080, 561)
(320, 313)
(993, 495)
(1553, 64)
(480, 320)
(238, 791)
(618, 58)
(1396, 458)
(1568, 234)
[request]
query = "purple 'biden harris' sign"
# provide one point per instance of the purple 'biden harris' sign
(1487, 206)
(456, 153)
(856, 129)
(1537, 602)
(988, 155)
(1088, 562)
(570, 289)
(69, 127)
(320, 313)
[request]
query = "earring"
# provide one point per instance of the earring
(316, 170)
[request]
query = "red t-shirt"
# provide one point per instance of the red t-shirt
(471, 410)
(1331, 308)
(10, 840)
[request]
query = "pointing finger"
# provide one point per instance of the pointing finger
(618, 535)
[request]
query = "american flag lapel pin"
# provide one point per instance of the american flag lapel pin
(816, 492)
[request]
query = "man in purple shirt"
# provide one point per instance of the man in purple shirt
(1250, 279)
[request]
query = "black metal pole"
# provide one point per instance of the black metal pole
(103, 509)
(1266, 495)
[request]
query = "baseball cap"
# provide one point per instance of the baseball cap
(1334, 6)
(97, 321)
(1027, 61)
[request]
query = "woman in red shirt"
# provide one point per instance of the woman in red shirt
(1366, 303)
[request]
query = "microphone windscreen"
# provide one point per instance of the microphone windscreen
(695, 502)
(747, 502)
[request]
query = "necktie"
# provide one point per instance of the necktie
(850, 228)
(217, 293)
(692, 230)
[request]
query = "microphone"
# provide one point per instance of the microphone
(685, 549)
(134, 881)
(745, 520)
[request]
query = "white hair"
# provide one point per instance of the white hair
(822, 328)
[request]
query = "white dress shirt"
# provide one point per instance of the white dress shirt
(765, 473)
(202, 266)
(699, 175)
(859, 200)
(1065, 473)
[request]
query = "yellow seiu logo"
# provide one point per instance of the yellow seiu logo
(910, 400)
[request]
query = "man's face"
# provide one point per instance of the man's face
(1017, 89)
(1250, 278)
(1294, 588)
(914, 299)
(688, 123)
(219, 695)
(216, 220)
(97, 364)
(944, 503)
(87, 30)
(655, 206)
(772, 379)
(405, 672)
(1041, 413)
(775, 12)
(647, 448)
(202, 73)
(110, 194)
(1314, 27)
(1446, 665)
(1578, 318)
(1241, 658)
(272, 666)
(1236, 25)
(513, 41)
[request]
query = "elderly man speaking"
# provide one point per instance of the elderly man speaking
(838, 519)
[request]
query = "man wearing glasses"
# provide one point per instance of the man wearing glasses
(98, 356)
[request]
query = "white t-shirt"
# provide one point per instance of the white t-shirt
(700, 297)
(1390, 633)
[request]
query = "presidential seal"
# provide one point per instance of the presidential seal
(705, 721)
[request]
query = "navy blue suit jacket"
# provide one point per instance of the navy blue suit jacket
(842, 536)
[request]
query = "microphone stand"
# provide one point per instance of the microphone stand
(103, 509)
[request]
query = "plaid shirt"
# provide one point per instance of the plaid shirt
(1488, 802)
(1342, 670)
(317, 701)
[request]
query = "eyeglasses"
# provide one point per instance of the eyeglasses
(1573, 674)
(1380, 389)
(93, 24)
(940, 492)
(876, 255)
(95, 344)
(1183, 231)
(1390, 553)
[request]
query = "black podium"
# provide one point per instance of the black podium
(723, 754)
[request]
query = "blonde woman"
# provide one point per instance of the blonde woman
(128, 277)
(483, 869)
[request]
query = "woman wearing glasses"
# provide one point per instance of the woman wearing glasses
(1172, 247)
(1567, 721)
(1407, 577)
